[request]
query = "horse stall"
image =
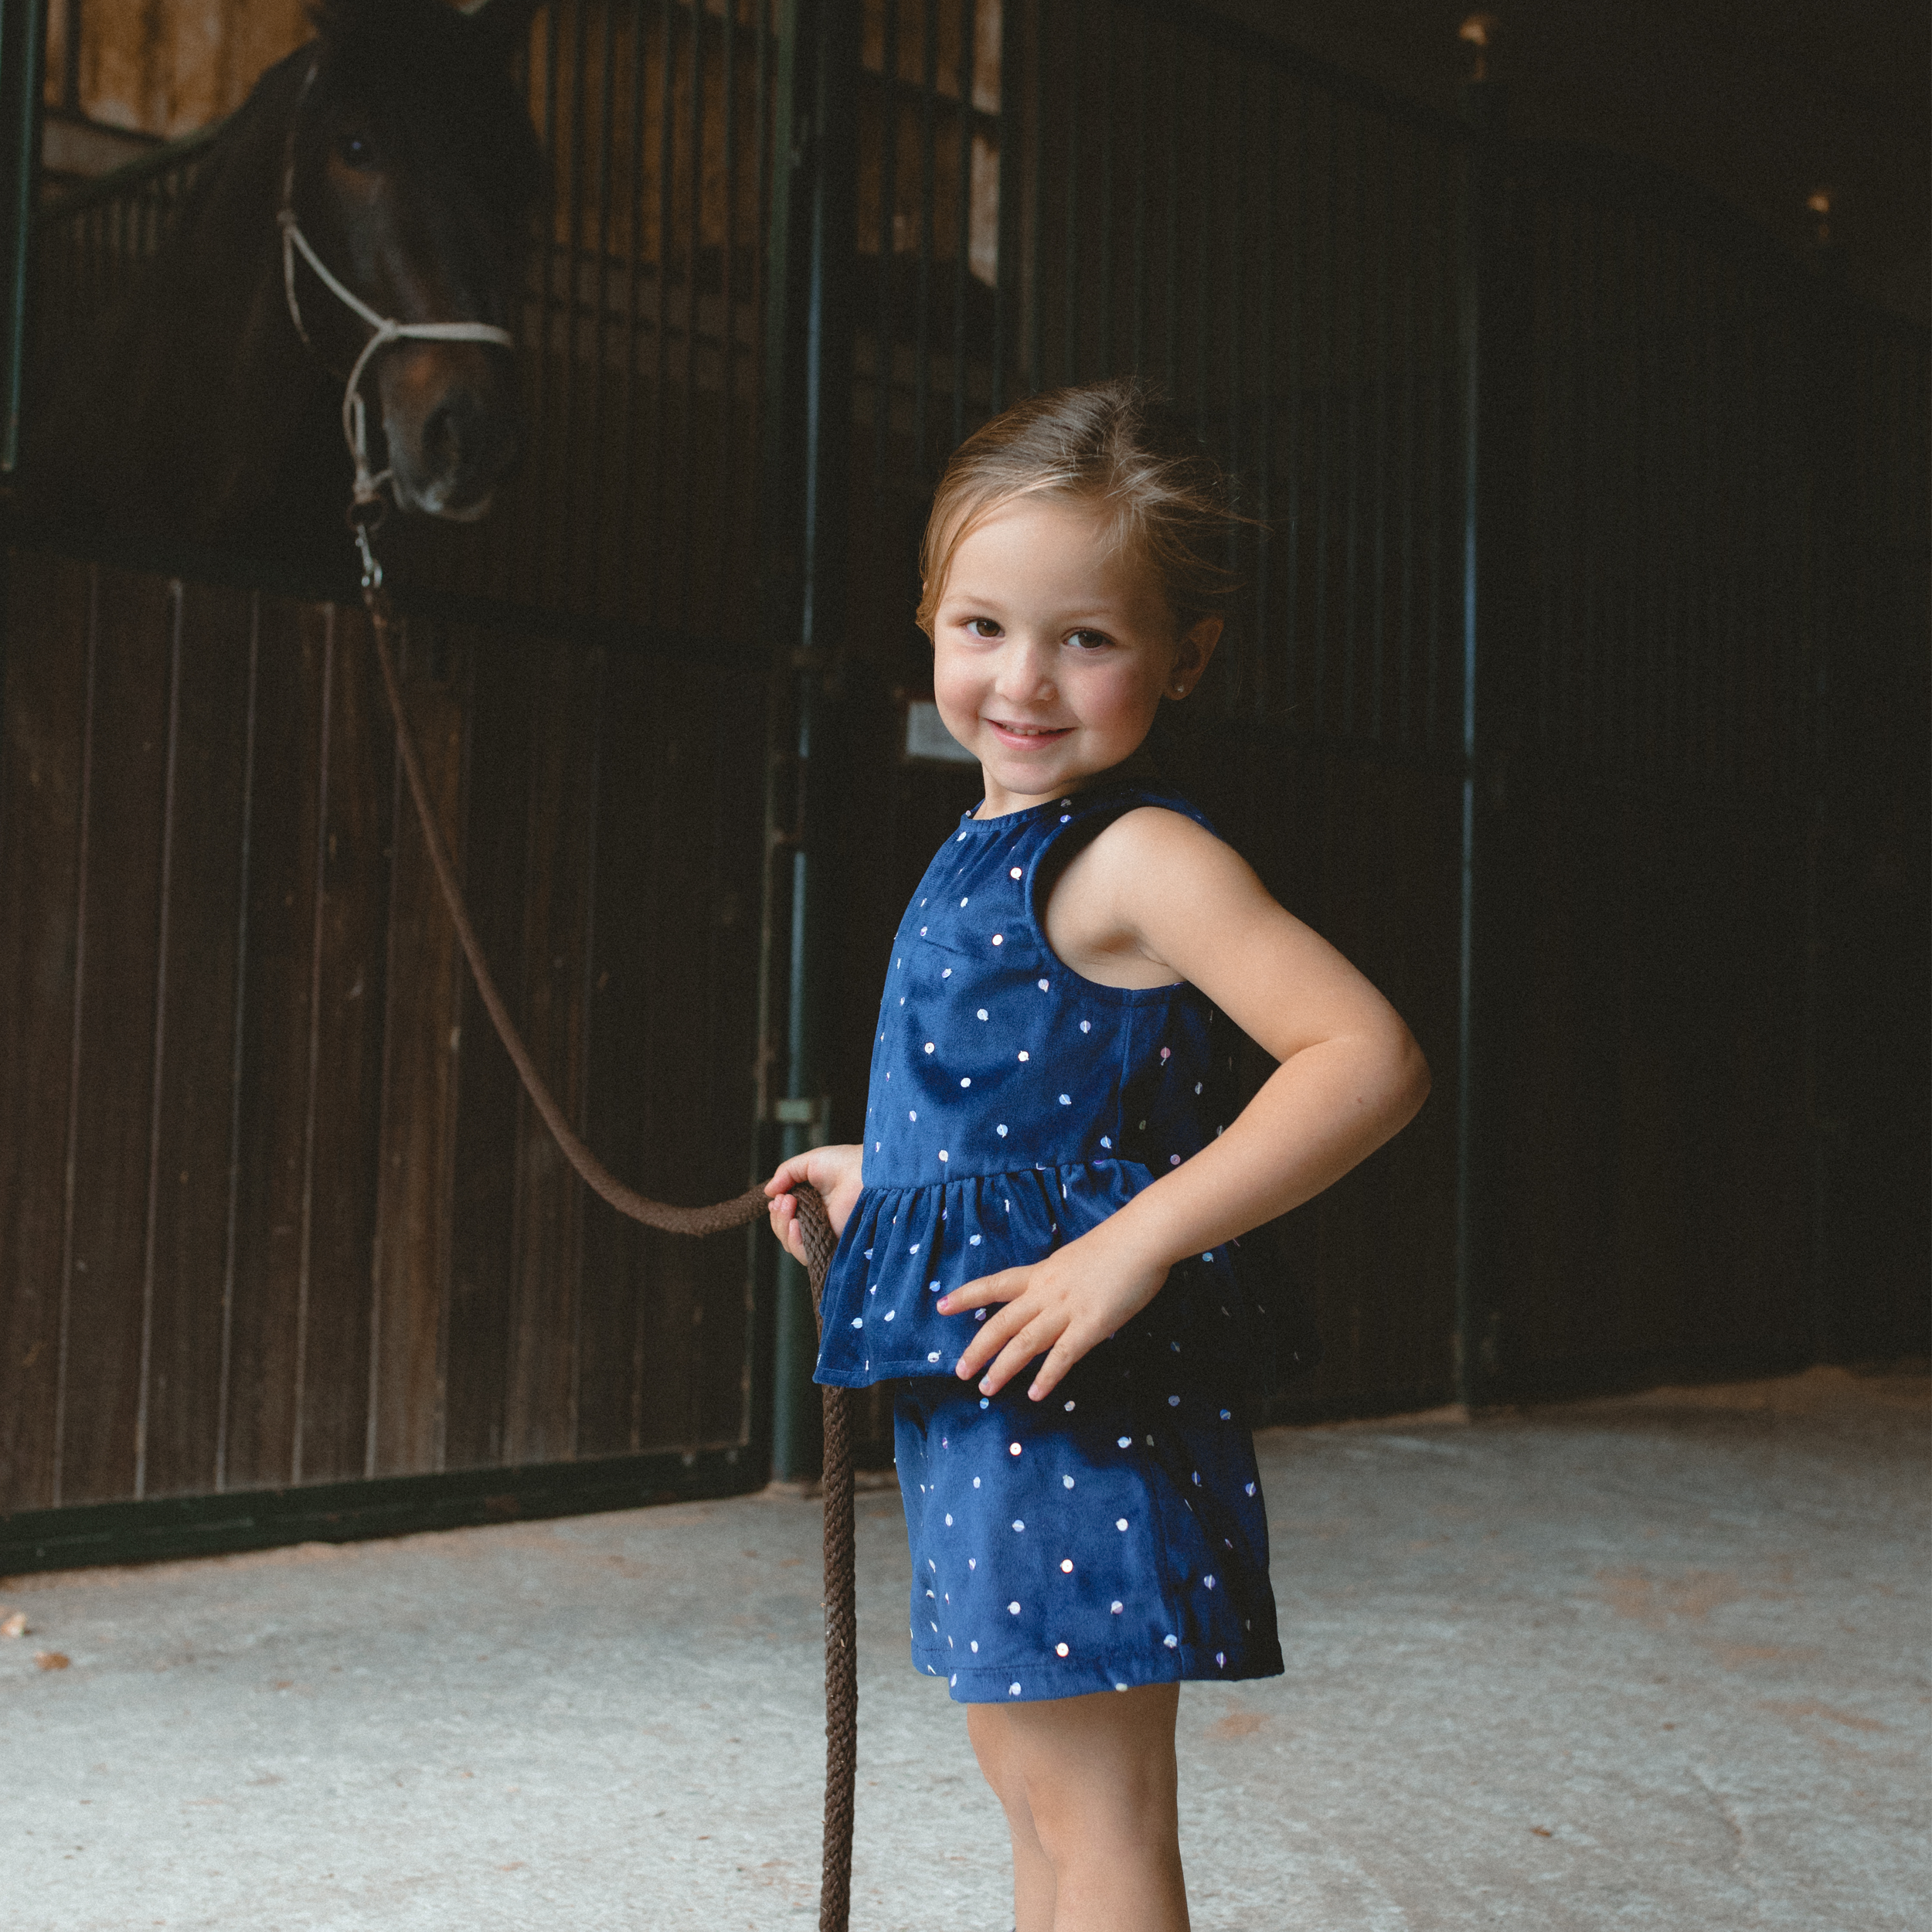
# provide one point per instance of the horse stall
(1582, 727)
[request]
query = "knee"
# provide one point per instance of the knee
(1118, 1810)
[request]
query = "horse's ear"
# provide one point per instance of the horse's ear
(504, 24)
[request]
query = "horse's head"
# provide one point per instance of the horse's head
(414, 166)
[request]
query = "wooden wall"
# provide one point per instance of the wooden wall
(272, 1210)
(165, 67)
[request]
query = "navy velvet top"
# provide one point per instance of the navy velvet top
(1014, 1105)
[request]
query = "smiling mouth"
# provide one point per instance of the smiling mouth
(1029, 734)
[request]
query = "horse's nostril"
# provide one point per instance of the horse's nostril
(464, 444)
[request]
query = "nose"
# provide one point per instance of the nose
(466, 446)
(1024, 674)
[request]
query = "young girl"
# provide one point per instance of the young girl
(1035, 1232)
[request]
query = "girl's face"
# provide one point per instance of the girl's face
(1052, 651)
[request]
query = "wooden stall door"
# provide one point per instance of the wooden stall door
(273, 1211)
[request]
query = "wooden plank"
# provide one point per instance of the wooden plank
(673, 1308)
(187, 1262)
(345, 1095)
(261, 1420)
(734, 705)
(424, 999)
(121, 916)
(495, 840)
(614, 1275)
(540, 1421)
(41, 787)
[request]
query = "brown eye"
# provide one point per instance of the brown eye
(358, 151)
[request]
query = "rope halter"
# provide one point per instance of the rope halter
(384, 329)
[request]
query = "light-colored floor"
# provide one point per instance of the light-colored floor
(1657, 1663)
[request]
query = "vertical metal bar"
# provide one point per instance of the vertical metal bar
(1640, 558)
(763, 160)
(1203, 230)
(1035, 205)
(688, 442)
(1440, 461)
(1411, 229)
(962, 259)
(1070, 293)
(1268, 408)
(1171, 289)
(1379, 546)
(628, 543)
(599, 322)
(813, 234)
(1298, 290)
(1599, 706)
(1490, 357)
(563, 484)
(529, 576)
(658, 447)
(1140, 144)
(22, 59)
(1352, 349)
(1660, 538)
(1009, 181)
(928, 170)
(883, 346)
(1104, 280)
(1322, 289)
(728, 556)
(1237, 318)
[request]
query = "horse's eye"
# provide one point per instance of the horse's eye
(357, 150)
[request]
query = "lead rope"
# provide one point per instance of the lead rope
(841, 1626)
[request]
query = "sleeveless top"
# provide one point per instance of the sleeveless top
(1014, 1105)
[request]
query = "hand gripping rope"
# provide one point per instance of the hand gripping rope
(842, 1633)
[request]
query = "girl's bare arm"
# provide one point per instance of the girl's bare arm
(1157, 898)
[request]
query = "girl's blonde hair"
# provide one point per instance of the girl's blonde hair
(1117, 447)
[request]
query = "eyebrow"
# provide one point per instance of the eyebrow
(980, 600)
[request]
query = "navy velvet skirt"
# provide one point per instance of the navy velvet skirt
(1110, 1535)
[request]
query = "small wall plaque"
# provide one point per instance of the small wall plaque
(928, 741)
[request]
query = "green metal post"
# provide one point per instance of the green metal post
(22, 41)
(1493, 359)
(809, 383)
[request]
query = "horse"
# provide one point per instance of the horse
(384, 173)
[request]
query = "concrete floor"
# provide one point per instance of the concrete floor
(1656, 1662)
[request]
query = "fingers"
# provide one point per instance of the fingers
(989, 1288)
(783, 1213)
(788, 1173)
(1038, 1336)
(1061, 1357)
(1010, 1340)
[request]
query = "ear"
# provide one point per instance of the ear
(503, 25)
(373, 25)
(1191, 659)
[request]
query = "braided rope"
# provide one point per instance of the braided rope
(841, 1626)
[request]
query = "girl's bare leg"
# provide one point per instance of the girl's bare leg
(1089, 1788)
(1033, 1870)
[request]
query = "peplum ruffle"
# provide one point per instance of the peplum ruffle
(904, 1248)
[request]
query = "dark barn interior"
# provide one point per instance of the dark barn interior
(1578, 693)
